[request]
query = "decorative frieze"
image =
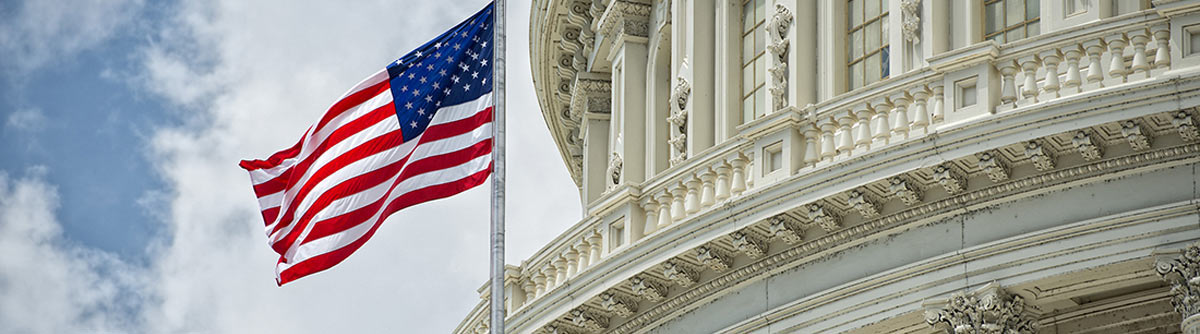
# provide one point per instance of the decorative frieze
(1039, 155)
(748, 243)
(992, 166)
(680, 273)
(826, 219)
(1186, 126)
(907, 191)
(1133, 133)
(1087, 147)
(713, 257)
(950, 179)
(859, 200)
(989, 310)
(777, 29)
(785, 228)
(647, 288)
(587, 320)
(619, 305)
(1183, 273)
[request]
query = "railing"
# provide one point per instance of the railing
(904, 108)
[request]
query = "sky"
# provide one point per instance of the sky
(122, 208)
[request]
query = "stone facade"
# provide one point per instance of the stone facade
(1046, 184)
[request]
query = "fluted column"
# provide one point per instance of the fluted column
(664, 199)
(920, 123)
(862, 129)
(938, 110)
(1116, 50)
(1029, 66)
(650, 206)
(722, 191)
(900, 115)
(1094, 49)
(595, 241)
(812, 144)
(678, 191)
(1162, 37)
(1008, 83)
(1073, 79)
(1139, 38)
(739, 175)
(843, 136)
(881, 131)
(828, 146)
(1050, 59)
(1183, 273)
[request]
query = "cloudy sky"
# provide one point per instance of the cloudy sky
(122, 208)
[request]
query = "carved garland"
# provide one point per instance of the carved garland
(912, 20)
(778, 29)
(678, 120)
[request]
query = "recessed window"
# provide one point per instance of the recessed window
(1193, 35)
(1011, 20)
(774, 157)
(866, 42)
(1072, 7)
(965, 93)
(616, 234)
(754, 64)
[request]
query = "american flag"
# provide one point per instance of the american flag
(418, 130)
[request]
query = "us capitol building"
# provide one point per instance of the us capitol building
(868, 166)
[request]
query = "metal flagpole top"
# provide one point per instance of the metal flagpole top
(497, 231)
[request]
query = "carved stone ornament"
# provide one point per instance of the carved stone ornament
(858, 199)
(626, 18)
(647, 288)
(777, 29)
(1183, 273)
(1087, 147)
(912, 20)
(1186, 125)
(714, 258)
(1041, 157)
(785, 228)
(617, 304)
(589, 321)
(903, 189)
(680, 273)
(678, 119)
(991, 165)
(614, 169)
(950, 179)
(826, 219)
(1132, 131)
(988, 311)
(748, 243)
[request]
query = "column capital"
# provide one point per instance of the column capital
(1183, 273)
(987, 310)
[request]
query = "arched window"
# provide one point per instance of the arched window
(867, 50)
(754, 64)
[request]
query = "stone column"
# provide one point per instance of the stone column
(1183, 273)
(988, 310)
(698, 32)
(626, 24)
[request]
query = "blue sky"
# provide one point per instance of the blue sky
(121, 205)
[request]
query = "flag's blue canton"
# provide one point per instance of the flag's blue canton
(454, 68)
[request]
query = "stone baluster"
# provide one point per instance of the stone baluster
(843, 136)
(1073, 80)
(900, 115)
(739, 175)
(691, 203)
(560, 267)
(1116, 50)
(1008, 82)
(812, 144)
(650, 207)
(722, 181)
(1094, 48)
(678, 191)
(707, 188)
(1029, 67)
(664, 199)
(551, 277)
(828, 145)
(1050, 60)
(530, 290)
(540, 281)
(572, 257)
(1162, 53)
(882, 130)
(585, 251)
(1139, 38)
(939, 104)
(862, 129)
(920, 123)
(594, 240)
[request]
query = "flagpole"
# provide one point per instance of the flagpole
(497, 230)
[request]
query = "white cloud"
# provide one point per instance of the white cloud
(253, 75)
(48, 285)
(44, 31)
(26, 120)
